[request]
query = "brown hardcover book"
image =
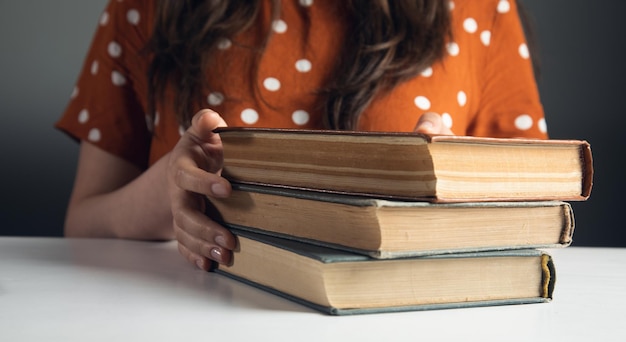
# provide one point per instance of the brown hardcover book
(393, 228)
(344, 283)
(409, 165)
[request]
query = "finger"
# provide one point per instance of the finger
(203, 123)
(202, 236)
(431, 123)
(194, 179)
(204, 249)
(203, 147)
(203, 239)
(200, 226)
(198, 260)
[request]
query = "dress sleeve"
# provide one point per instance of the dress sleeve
(107, 107)
(509, 104)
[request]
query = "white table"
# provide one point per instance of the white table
(55, 289)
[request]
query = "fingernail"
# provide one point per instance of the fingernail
(220, 240)
(216, 254)
(200, 264)
(198, 116)
(219, 189)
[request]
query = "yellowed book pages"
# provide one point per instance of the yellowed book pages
(344, 283)
(393, 228)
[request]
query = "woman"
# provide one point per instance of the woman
(159, 72)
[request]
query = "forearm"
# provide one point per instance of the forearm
(137, 209)
(112, 197)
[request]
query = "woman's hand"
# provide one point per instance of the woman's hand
(432, 123)
(194, 173)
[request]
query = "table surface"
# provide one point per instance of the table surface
(57, 289)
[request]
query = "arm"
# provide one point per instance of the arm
(114, 198)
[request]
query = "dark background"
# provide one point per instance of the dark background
(43, 43)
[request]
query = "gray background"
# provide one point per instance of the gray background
(43, 43)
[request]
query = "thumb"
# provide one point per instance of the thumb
(203, 123)
(431, 123)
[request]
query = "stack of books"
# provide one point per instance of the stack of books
(353, 222)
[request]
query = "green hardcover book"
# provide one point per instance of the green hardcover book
(343, 283)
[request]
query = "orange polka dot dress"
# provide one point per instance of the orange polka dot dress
(484, 86)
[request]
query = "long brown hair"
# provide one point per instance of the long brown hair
(390, 41)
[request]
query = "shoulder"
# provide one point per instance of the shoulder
(484, 17)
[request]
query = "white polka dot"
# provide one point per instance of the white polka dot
(543, 126)
(181, 130)
(306, 3)
(133, 16)
(461, 97)
(453, 49)
(74, 92)
(523, 122)
(83, 116)
(523, 51)
(504, 6)
(470, 25)
(249, 116)
(422, 102)
(279, 26)
(451, 4)
(215, 98)
(447, 120)
(104, 18)
(303, 65)
(115, 49)
(94, 67)
(224, 43)
(118, 79)
(427, 72)
(94, 135)
(271, 84)
(149, 123)
(485, 37)
(300, 117)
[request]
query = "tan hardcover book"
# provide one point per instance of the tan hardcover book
(394, 228)
(342, 283)
(409, 165)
